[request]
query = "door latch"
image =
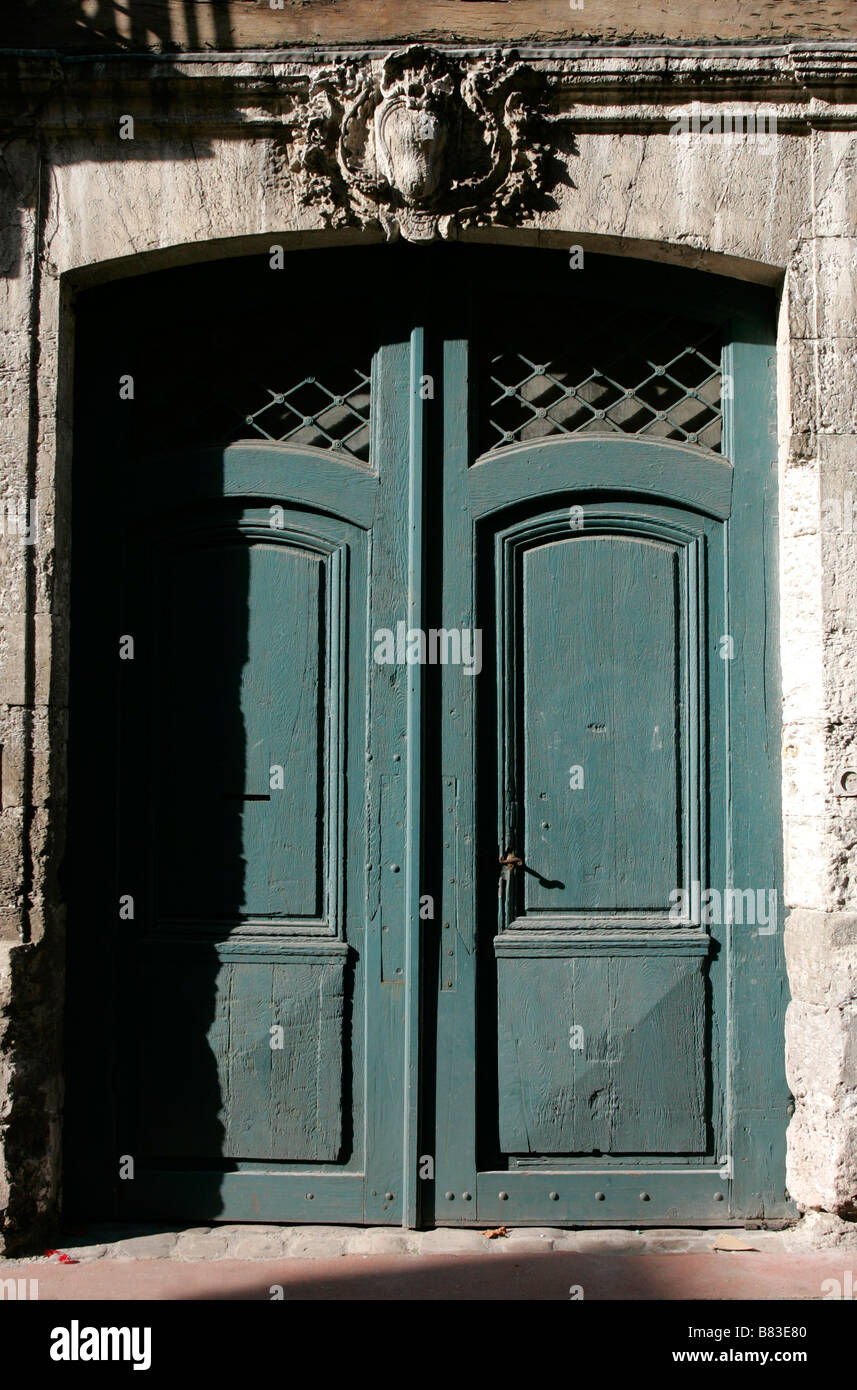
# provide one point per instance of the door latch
(510, 861)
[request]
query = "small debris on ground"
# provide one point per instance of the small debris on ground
(498, 1231)
(727, 1242)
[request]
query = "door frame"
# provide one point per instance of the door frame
(443, 427)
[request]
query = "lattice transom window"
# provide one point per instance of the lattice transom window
(603, 372)
(330, 414)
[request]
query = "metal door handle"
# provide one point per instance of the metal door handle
(510, 860)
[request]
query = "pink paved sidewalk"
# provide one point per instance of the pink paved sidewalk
(508, 1275)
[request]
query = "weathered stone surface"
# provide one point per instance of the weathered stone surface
(319, 1247)
(154, 1247)
(837, 385)
(801, 598)
(835, 166)
(30, 1087)
(201, 1245)
(821, 1059)
(800, 513)
(381, 1240)
(836, 287)
(821, 1231)
(800, 404)
(448, 1240)
(236, 24)
(603, 1240)
(817, 1230)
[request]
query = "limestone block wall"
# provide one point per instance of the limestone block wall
(215, 169)
(820, 465)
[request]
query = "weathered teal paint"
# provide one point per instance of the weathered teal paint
(608, 653)
(259, 905)
(414, 774)
(260, 760)
(240, 789)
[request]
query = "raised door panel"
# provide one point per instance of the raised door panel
(239, 810)
(234, 1095)
(606, 701)
(601, 724)
(602, 1054)
(250, 695)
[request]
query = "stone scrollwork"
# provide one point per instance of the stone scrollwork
(426, 143)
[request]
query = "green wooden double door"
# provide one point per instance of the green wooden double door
(425, 841)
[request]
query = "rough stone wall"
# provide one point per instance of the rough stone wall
(820, 594)
(212, 171)
(99, 25)
(32, 711)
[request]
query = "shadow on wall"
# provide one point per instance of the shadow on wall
(129, 127)
(182, 24)
(121, 25)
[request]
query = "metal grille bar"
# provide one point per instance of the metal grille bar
(622, 374)
(334, 416)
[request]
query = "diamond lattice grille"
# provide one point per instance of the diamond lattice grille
(332, 415)
(619, 373)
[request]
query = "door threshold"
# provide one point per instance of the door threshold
(252, 1241)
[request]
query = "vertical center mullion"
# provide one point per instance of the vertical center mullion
(413, 793)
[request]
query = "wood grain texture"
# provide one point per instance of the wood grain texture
(233, 1095)
(604, 1196)
(235, 24)
(244, 658)
(176, 1194)
(386, 745)
(624, 462)
(601, 692)
(601, 641)
(760, 1095)
(636, 1086)
(457, 1062)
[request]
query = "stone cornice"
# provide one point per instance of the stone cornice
(639, 87)
(790, 65)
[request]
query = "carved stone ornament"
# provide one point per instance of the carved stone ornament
(426, 144)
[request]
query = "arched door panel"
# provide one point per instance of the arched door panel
(608, 695)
